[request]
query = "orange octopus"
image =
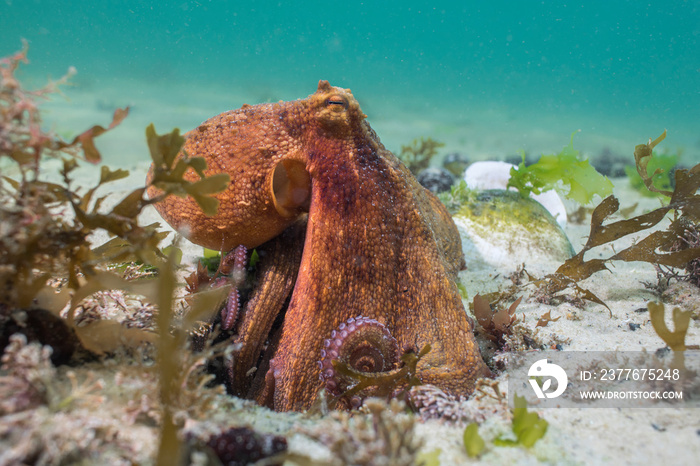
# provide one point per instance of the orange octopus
(358, 261)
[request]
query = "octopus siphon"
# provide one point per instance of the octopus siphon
(358, 262)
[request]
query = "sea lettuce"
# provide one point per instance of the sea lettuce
(576, 179)
(528, 426)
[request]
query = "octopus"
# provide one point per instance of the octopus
(358, 262)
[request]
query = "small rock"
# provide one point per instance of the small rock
(610, 165)
(634, 326)
(436, 180)
(241, 445)
(658, 427)
(42, 326)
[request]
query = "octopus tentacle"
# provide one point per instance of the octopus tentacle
(276, 276)
(233, 264)
(240, 262)
(359, 348)
(229, 313)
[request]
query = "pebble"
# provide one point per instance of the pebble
(436, 180)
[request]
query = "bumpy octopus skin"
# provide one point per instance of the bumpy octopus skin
(347, 230)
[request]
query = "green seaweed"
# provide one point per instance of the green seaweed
(254, 259)
(463, 293)
(576, 179)
(473, 442)
(528, 427)
(168, 172)
(211, 260)
(429, 458)
(459, 195)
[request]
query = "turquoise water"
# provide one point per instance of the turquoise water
(621, 71)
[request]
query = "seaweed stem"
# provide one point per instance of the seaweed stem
(168, 345)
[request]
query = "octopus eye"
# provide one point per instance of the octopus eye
(337, 100)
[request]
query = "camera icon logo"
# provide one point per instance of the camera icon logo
(544, 368)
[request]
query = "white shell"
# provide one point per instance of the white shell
(495, 175)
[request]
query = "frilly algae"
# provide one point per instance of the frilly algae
(38, 241)
(559, 171)
(528, 426)
(417, 155)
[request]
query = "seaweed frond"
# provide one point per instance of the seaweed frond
(676, 247)
(496, 324)
(661, 168)
(576, 179)
(417, 155)
(473, 442)
(40, 240)
(657, 248)
(681, 320)
(458, 195)
(528, 426)
(644, 161)
(391, 384)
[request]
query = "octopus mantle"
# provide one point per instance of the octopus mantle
(343, 229)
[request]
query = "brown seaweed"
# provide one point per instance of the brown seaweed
(656, 248)
(642, 157)
(677, 246)
(392, 384)
(681, 320)
(417, 155)
(496, 324)
(40, 243)
(545, 319)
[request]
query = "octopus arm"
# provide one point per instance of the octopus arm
(277, 277)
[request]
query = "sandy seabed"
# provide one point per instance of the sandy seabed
(574, 436)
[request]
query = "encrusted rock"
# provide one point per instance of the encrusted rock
(495, 175)
(501, 229)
